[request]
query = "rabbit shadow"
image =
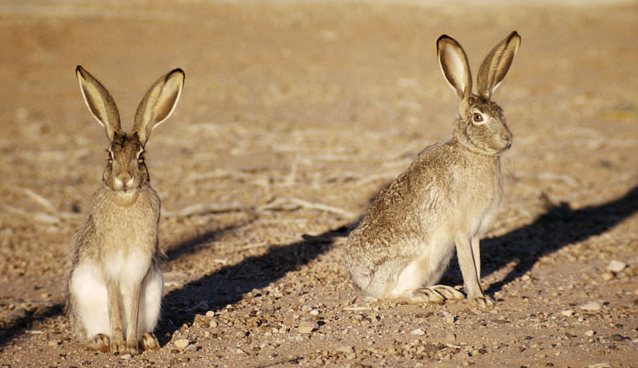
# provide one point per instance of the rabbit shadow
(558, 226)
(228, 285)
(17, 326)
(196, 243)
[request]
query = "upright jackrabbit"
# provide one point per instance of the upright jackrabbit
(115, 284)
(446, 197)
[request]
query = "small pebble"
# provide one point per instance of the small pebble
(125, 356)
(181, 343)
(212, 324)
(314, 312)
(607, 276)
(618, 337)
(210, 314)
(418, 332)
(589, 333)
(448, 317)
(616, 266)
(599, 365)
(591, 306)
(346, 349)
(567, 313)
(306, 327)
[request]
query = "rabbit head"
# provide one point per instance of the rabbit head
(481, 126)
(125, 170)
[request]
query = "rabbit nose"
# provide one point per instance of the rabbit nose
(125, 178)
(507, 137)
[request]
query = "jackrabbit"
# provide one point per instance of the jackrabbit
(115, 284)
(448, 196)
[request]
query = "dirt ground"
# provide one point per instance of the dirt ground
(294, 115)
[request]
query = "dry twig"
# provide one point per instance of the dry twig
(207, 208)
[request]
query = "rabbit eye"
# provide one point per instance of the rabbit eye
(477, 118)
(140, 157)
(110, 159)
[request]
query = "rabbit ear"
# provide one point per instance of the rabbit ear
(99, 102)
(454, 66)
(158, 103)
(496, 64)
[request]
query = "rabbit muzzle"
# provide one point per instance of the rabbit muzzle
(124, 181)
(506, 138)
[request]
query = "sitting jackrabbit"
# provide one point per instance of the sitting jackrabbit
(447, 197)
(115, 285)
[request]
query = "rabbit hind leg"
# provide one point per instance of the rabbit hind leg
(89, 305)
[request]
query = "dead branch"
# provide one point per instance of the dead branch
(37, 198)
(201, 209)
(293, 203)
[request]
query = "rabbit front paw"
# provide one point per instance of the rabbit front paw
(132, 347)
(483, 302)
(117, 345)
(99, 342)
(149, 341)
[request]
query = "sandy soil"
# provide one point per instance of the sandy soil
(294, 115)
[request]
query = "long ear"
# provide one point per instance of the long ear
(158, 103)
(496, 64)
(99, 102)
(454, 66)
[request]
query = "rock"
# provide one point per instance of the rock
(567, 313)
(181, 343)
(589, 333)
(345, 349)
(607, 276)
(125, 356)
(212, 324)
(616, 266)
(591, 306)
(418, 332)
(306, 327)
(618, 337)
(599, 365)
(448, 317)
(210, 314)
(314, 312)
(17, 314)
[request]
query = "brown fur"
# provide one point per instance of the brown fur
(115, 281)
(444, 200)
